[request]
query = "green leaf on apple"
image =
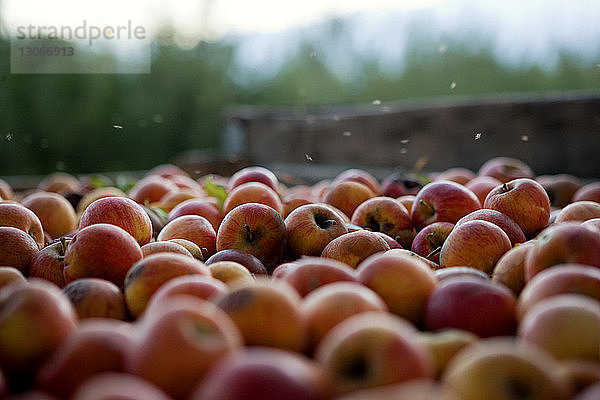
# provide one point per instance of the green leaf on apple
(217, 191)
(124, 182)
(98, 181)
(162, 214)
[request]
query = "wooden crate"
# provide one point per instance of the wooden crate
(552, 132)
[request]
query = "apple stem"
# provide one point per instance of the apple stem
(505, 187)
(63, 248)
(434, 252)
(249, 234)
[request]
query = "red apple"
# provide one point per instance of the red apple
(443, 274)
(6, 191)
(309, 273)
(396, 185)
(256, 229)
(569, 242)
(34, 319)
(352, 248)
(512, 230)
(96, 298)
(510, 268)
(49, 263)
(17, 248)
(560, 279)
(202, 286)
(428, 242)
(59, 182)
(386, 215)
(253, 174)
(282, 269)
(165, 246)
(201, 207)
(329, 305)
(253, 192)
(360, 176)
(171, 199)
(55, 213)
(252, 264)
(403, 282)
(112, 385)
(151, 188)
(167, 171)
(267, 313)
(19, 216)
(10, 275)
(477, 244)
(310, 228)
(191, 247)
(445, 344)
(456, 174)
(291, 202)
(579, 374)
(147, 275)
(413, 389)
(407, 201)
(482, 185)
(194, 228)
(560, 188)
(262, 373)
(372, 349)
(593, 224)
(180, 342)
(347, 195)
(467, 303)
(231, 273)
(442, 201)
(590, 393)
(122, 212)
(391, 242)
(97, 346)
(101, 251)
(505, 169)
(95, 194)
(590, 192)
(503, 369)
(566, 325)
(579, 211)
(525, 201)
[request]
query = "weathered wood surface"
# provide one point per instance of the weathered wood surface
(553, 133)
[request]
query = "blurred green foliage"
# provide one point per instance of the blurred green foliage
(84, 123)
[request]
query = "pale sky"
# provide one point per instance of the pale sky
(194, 19)
(533, 30)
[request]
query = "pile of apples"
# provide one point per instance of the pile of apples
(469, 285)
